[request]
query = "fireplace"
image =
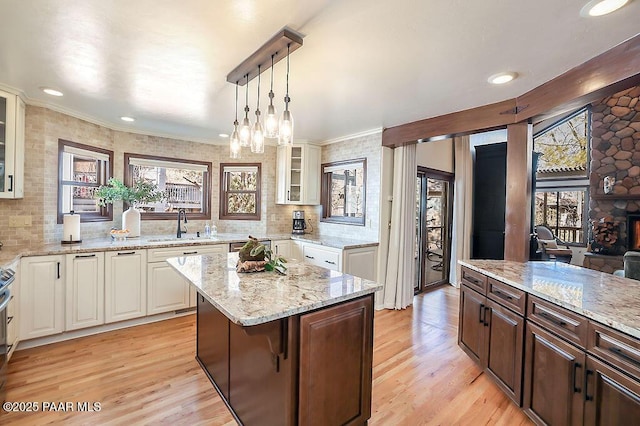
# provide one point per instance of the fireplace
(633, 231)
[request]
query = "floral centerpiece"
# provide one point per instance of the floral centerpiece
(141, 192)
(256, 257)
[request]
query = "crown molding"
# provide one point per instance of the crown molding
(351, 136)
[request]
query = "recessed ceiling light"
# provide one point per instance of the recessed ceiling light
(127, 119)
(223, 135)
(502, 78)
(52, 92)
(601, 7)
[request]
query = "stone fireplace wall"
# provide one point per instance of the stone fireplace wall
(615, 152)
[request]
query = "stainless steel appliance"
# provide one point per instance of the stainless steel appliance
(299, 224)
(6, 278)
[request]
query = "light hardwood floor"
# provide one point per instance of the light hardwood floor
(148, 375)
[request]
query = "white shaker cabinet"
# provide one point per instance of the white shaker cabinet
(85, 290)
(282, 248)
(298, 175)
(12, 128)
(167, 290)
(41, 296)
(361, 262)
(13, 317)
(125, 285)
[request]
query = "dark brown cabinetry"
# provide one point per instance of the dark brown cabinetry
(491, 334)
(313, 368)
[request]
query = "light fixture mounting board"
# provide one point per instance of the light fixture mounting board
(277, 46)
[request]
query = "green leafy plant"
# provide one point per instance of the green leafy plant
(274, 262)
(115, 190)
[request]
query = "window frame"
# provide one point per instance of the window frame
(206, 186)
(223, 214)
(585, 211)
(105, 214)
(325, 194)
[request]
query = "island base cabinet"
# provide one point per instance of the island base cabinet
(213, 344)
(611, 397)
(553, 379)
(471, 331)
(335, 364)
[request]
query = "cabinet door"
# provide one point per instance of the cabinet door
(335, 364)
(11, 146)
(611, 398)
(282, 172)
(125, 285)
(504, 356)
(360, 262)
(472, 327)
(212, 345)
(282, 248)
(553, 379)
(167, 290)
(85, 290)
(311, 176)
(41, 296)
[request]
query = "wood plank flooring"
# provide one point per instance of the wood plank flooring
(148, 375)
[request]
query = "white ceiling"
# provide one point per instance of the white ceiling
(364, 64)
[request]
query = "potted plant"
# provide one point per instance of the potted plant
(141, 192)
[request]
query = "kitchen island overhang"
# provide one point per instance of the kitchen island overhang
(284, 349)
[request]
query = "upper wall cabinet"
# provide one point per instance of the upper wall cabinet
(298, 175)
(11, 146)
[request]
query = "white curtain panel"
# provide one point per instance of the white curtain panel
(462, 206)
(398, 289)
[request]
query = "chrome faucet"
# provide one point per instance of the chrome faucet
(183, 213)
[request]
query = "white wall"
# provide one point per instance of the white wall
(436, 155)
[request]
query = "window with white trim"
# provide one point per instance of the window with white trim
(81, 170)
(185, 183)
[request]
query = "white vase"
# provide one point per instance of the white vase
(131, 221)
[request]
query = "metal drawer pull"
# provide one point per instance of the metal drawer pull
(332, 263)
(473, 280)
(10, 183)
(624, 355)
(85, 255)
(481, 311)
(309, 257)
(9, 348)
(552, 319)
(576, 365)
(586, 386)
(58, 273)
(486, 309)
(502, 295)
(189, 252)
(126, 253)
(9, 319)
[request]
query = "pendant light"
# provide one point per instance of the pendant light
(234, 140)
(271, 121)
(245, 128)
(257, 136)
(285, 134)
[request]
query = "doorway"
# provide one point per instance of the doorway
(434, 209)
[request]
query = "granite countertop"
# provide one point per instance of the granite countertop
(255, 298)
(10, 254)
(606, 298)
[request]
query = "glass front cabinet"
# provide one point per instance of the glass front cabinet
(298, 175)
(12, 128)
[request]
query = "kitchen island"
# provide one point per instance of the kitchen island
(284, 349)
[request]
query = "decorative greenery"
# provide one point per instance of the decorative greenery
(274, 262)
(142, 191)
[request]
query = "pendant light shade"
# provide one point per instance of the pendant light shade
(245, 128)
(257, 135)
(271, 120)
(285, 131)
(234, 139)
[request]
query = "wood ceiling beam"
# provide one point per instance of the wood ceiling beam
(599, 77)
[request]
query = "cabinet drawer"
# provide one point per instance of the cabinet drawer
(321, 256)
(162, 254)
(507, 296)
(563, 322)
(475, 280)
(620, 350)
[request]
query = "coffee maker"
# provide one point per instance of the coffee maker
(299, 224)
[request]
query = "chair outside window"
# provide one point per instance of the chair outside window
(552, 247)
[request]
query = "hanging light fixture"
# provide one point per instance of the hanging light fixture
(285, 133)
(234, 140)
(257, 136)
(271, 122)
(245, 128)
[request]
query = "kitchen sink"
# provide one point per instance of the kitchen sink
(167, 239)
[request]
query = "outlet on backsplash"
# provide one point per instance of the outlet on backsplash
(19, 221)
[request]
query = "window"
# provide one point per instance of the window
(240, 191)
(81, 170)
(186, 184)
(343, 191)
(561, 198)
